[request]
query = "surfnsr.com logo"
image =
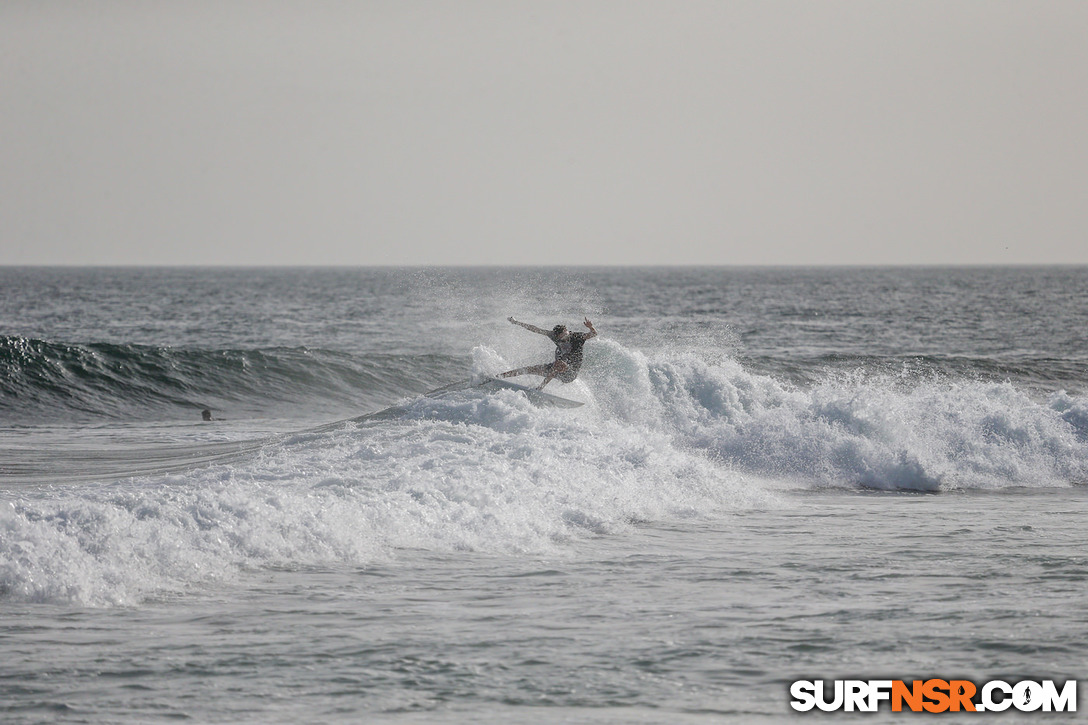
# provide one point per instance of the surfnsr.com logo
(933, 695)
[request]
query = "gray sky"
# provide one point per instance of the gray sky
(543, 132)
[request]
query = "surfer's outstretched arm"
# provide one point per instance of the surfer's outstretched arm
(527, 326)
(592, 330)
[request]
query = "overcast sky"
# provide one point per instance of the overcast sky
(543, 132)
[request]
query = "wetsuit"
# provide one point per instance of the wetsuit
(570, 352)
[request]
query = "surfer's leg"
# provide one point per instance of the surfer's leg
(544, 370)
(556, 368)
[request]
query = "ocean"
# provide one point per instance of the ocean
(777, 474)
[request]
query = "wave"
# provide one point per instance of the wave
(468, 473)
(660, 438)
(855, 427)
(46, 381)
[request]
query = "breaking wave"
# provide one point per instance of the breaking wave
(659, 438)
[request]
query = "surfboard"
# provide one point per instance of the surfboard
(536, 397)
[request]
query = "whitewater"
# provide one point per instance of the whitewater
(776, 475)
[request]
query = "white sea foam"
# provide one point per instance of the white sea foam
(658, 438)
(857, 429)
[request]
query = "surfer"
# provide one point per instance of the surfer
(568, 353)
